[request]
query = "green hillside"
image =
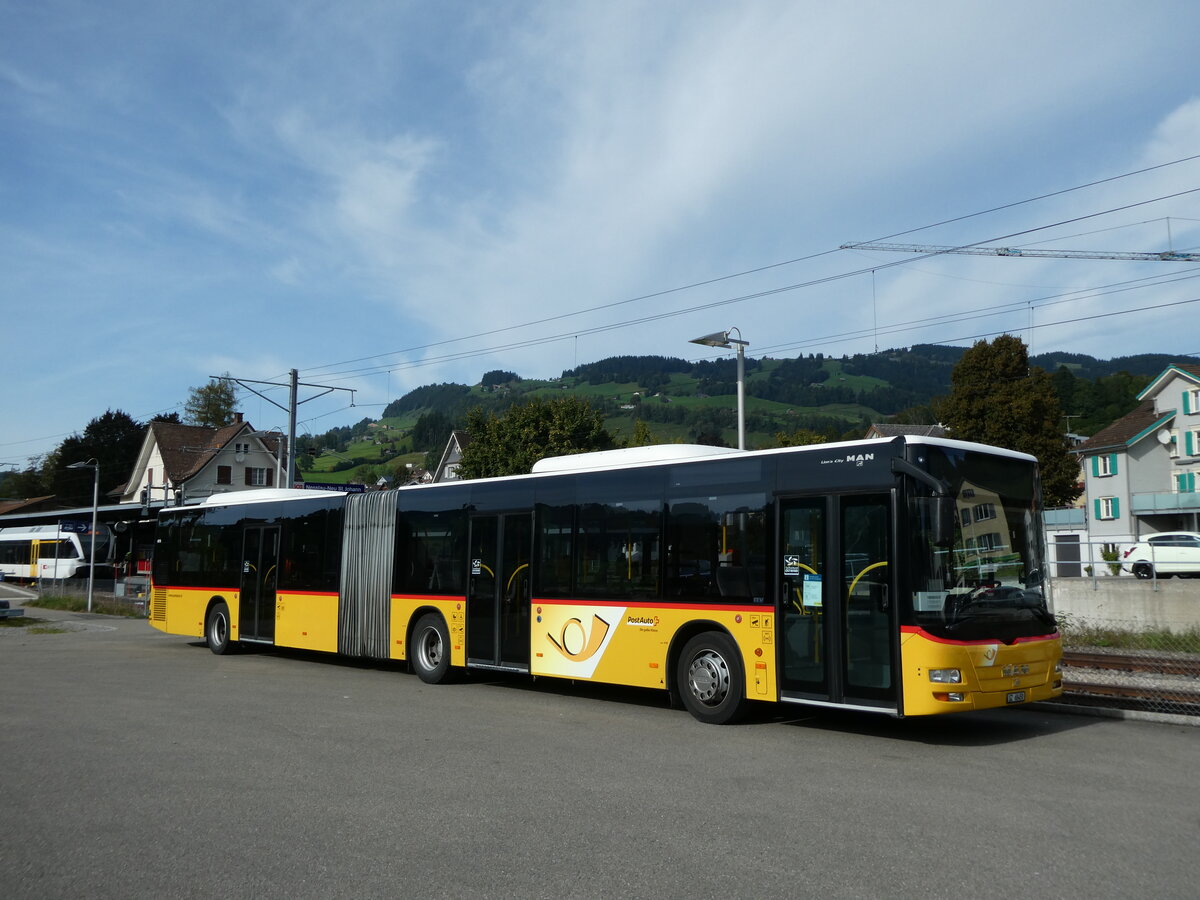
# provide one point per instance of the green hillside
(682, 401)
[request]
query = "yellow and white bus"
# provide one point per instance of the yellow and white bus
(900, 576)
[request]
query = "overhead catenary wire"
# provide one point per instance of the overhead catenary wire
(682, 288)
(334, 368)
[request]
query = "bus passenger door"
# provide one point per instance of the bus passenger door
(803, 554)
(260, 569)
(837, 616)
(498, 592)
(868, 616)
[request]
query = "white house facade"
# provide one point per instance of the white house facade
(1140, 473)
(182, 463)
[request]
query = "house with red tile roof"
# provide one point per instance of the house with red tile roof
(180, 463)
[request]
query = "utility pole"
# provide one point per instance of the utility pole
(293, 385)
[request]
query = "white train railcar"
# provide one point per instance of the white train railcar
(47, 551)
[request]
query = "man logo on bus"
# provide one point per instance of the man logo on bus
(575, 643)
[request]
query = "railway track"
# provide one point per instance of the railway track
(1153, 682)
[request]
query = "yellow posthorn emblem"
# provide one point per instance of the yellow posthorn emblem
(575, 643)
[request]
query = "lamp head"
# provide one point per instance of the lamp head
(716, 339)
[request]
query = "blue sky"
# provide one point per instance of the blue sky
(384, 195)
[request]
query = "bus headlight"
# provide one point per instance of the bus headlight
(945, 676)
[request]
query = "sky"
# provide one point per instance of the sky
(388, 194)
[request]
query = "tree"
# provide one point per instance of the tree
(430, 433)
(801, 437)
(509, 444)
(642, 436)
(498, 376)
(113, 440)
(212, 404)
(34, 481)
(996, 398)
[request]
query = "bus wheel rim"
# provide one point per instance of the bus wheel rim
(708, 677)
(430, 648)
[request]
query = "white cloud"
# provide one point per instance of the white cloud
(292, 185)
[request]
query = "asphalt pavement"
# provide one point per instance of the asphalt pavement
(136, 764)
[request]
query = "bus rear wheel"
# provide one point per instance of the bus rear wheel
(710, 680)
(430, 649)
(216, 630)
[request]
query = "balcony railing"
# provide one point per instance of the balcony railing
(1065, 517)
(1170, 501)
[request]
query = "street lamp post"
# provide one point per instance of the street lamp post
(722, 339)
(94, 465)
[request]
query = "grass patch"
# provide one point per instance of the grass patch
(1079, 633)
(79, 604)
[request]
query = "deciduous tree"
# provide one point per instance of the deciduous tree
(997, 398)
(801, 437)
(112, 439)
(510, 443)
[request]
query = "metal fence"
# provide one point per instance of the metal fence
(1126, 664)
(1069, 556)
(120, 598)
(1072, 557)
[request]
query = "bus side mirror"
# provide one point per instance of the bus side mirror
(945, 516)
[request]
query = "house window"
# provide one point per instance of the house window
(1191, 401)
(259, 477)
(241, 448)
(966, 516)
(1108, 508)
(224, 474)
(989, 541)
(1191, 442)
(985, 511)
(1185, 482)
(1104, 466)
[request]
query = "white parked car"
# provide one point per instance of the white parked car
(1169, 553)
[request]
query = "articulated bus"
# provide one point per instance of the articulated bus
(900, 576)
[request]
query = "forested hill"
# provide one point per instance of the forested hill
(668, 399)
(823, 393)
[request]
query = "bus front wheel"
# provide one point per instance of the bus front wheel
(216, 630)
(430, 649)
(709, 677)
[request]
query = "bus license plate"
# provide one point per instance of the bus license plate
(1016, 697)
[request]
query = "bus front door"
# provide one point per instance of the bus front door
(837, 616)
(498, 593)
(260, 568)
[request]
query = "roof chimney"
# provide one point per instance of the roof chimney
(237, 418)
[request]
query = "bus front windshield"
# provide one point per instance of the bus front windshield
(980, 577)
